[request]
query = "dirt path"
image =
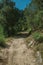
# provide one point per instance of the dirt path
(19, 54)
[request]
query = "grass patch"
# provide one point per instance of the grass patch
(38, 37)
(3, 41)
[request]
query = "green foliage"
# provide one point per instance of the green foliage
(14, 20)
(38, 37)
(2, 42)
(34, 15)
(11, 18)
(2, 38)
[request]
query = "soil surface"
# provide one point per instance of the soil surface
(17, 53)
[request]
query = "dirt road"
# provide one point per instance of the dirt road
(18, 53)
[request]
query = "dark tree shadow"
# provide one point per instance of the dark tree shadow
(4, 45)
(22, 35)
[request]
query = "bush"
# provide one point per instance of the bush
(2, 42)
(29, 31)
(38, 37)
(2, 37)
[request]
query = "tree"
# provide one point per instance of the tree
(11, 17)
(33, 13)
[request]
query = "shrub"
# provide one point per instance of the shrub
(29, 31)
(38, 37)
(2, 42)
(2, 38)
